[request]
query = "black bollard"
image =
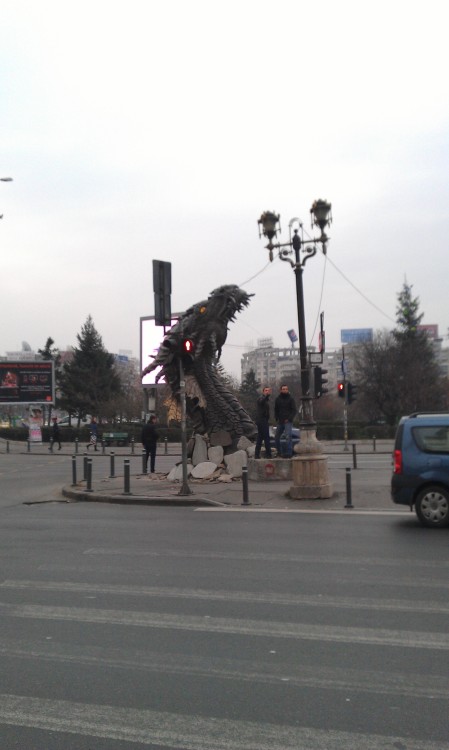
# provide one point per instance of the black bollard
(89, 475)
(348, 489)
(245, 485)
(132, 445)
(166, 445)
(7, 446)
(103, 447)
(112, 471)
(374, 443)
(85, 467)
(76, 445)
(127, 487)
(28, 446)
(51, 445)
(73, 471)
(354, 455)
(144, 461)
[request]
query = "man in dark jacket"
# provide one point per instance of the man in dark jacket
(55, 434)
(149, 441)
(284, 412)
(263, 423)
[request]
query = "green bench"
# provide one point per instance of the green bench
(120, 438)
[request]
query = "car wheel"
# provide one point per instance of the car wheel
(432, 506)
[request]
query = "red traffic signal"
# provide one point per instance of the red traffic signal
(188, 346)
(341, 390)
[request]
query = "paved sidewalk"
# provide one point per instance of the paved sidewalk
(370, 486)
(370, 490)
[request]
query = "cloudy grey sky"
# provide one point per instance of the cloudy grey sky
(147, 129)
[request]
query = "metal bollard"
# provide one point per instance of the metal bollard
(73, 471)
(76, 445)
(132, 445)
(112, 471)
(7, 446)
(89, 475)
(144, 461)
(374, 443)
(348, 489)
(103, 447)
(127, 490)
(85, 467)
(28, 446)
(166, 446)
(354, 455)
(245, 485)
(51, 445)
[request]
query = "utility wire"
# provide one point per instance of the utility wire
(358, 290)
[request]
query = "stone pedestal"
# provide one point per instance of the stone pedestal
(310, 478)
(310, 472)
(271, 469)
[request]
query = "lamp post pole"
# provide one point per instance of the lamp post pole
(306, 401)
(309, 466)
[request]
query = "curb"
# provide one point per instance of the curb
(120, 499)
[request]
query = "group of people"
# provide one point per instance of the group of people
(284, 413)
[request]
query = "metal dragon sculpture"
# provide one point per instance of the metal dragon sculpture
(212, 408)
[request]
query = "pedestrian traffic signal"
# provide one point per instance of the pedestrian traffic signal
(319, 381)
(188, 346)
(341, 390)
(352, 393)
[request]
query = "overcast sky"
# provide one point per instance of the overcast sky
(147, 129)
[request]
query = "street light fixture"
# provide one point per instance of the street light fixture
(310, 475)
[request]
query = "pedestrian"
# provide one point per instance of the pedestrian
(263, 423)
(55, 434)
(149, 441)
(93, 427)
(284, 412)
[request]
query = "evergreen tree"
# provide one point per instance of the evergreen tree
(89, 381)
(397, 373)
(408, 316)
(249, 392)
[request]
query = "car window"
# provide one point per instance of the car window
(432, 439)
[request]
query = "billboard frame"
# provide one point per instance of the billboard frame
(20, 379)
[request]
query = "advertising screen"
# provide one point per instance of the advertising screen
(151, 337)
(27, 382)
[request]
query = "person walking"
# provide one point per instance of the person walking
(55, 434)
(93, 427)
(149, 441)
(284, 412)
(263, 423)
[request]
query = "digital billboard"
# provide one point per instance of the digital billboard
(27, 382)
(355, 335)
(151, 337)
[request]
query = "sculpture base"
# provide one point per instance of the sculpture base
(271, 469)
(310, 478)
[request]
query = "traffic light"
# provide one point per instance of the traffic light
(188, 347)
(162, 292)
(341, 390)
(352, 393)
(319, 381)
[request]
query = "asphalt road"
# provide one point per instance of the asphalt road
(146, 627)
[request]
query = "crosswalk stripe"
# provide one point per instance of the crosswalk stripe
(192, 732)
(298, 631)
(313, 600)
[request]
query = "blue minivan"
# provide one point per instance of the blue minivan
(421, 467)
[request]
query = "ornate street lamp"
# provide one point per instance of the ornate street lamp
(310, 474)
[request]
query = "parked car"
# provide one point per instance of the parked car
(64, 421)
(295, 437)
(421, 467)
